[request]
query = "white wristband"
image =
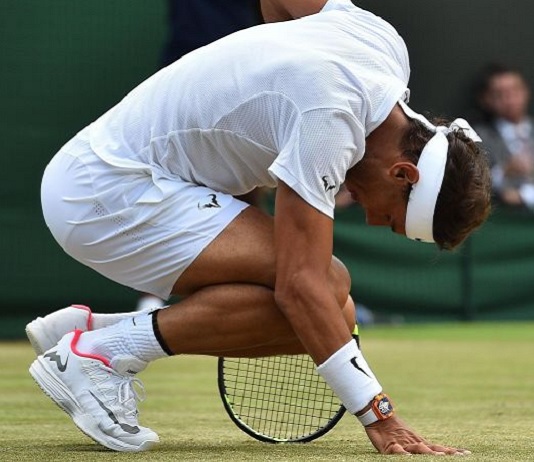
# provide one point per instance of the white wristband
(348, 374)
(367, 418)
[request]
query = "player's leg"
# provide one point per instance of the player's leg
(244, 252)
(222, 261)
(230, 306)
(220, 317)
(253, 324)
(293, 345)
(157, 238)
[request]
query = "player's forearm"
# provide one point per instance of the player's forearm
(284, 10)
(311, 287)
(311, 307)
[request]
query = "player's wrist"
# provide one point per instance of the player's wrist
(380, 408)
(348, 374)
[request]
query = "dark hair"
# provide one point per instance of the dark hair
(464, 201)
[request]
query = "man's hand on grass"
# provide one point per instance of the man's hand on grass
(392, 436)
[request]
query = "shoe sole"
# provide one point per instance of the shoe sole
(56, 390)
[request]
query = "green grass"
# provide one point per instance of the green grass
(469, 385)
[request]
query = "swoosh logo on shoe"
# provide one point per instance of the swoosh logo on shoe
(127, 428)
(53, 356)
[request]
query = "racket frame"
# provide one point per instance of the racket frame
(234, 416)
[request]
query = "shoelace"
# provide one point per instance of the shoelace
(118, 389)
(131, 390)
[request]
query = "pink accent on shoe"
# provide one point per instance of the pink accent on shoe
(75, 350)
(90, 318)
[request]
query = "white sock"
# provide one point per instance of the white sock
(133, 336)
(101, 320)
(147, 302)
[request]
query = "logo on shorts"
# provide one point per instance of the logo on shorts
(326, 183)
(209, 202)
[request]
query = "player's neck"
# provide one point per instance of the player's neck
(385, 142)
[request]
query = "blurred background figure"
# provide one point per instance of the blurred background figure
(503, 96)
(195, 23)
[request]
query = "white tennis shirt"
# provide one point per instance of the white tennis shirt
(292, 101)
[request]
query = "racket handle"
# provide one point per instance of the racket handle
(356, 335)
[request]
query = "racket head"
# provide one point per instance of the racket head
(278, 399)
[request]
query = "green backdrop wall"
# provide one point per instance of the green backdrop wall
(490, 277)
(64, 62)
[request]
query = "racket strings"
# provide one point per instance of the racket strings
(282, 397)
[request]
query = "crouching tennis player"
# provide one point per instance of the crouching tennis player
(145, 196)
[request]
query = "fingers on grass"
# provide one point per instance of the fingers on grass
(449, 451)
(396, 448)
(422, 448)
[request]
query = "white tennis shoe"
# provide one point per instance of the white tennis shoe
(44, 333)
(100, 397)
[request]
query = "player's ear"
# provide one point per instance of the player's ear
(404, 172)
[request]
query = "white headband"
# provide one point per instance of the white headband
(431, 166)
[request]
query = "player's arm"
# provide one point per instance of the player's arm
(284, 10)
(303, 241)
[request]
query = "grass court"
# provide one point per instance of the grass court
(469, 385)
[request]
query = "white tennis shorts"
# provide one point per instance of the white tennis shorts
(135, 226)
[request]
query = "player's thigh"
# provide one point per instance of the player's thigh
(135, 229)
(159, 235)
(242, 252)
(245, 252)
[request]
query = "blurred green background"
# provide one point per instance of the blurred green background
(64, 62)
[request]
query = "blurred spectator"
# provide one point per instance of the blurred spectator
(503, 95)
(195, 23)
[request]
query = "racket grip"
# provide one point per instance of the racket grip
(356, 335)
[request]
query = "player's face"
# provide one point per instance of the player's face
(381, 180)
(383, 200)
(384, 210)
(392, 216)
(383, 193)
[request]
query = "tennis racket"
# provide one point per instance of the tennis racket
(278, 399)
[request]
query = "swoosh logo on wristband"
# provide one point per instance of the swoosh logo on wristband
(354, 362)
